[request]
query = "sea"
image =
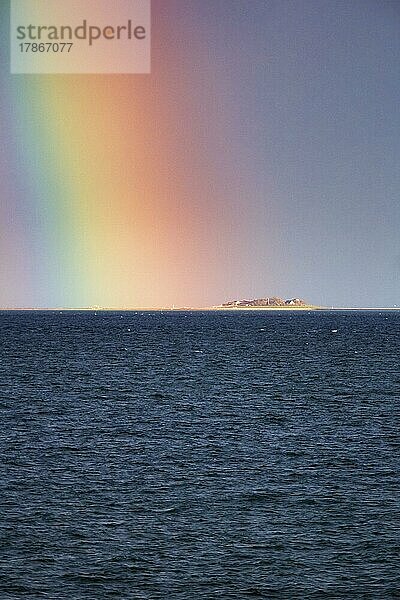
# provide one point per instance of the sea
(199, 455)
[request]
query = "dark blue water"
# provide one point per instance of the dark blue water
(199, 455)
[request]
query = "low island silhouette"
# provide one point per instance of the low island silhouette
(273, 301)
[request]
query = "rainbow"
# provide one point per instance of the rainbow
(112, 193)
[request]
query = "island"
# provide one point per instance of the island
(272, 302)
